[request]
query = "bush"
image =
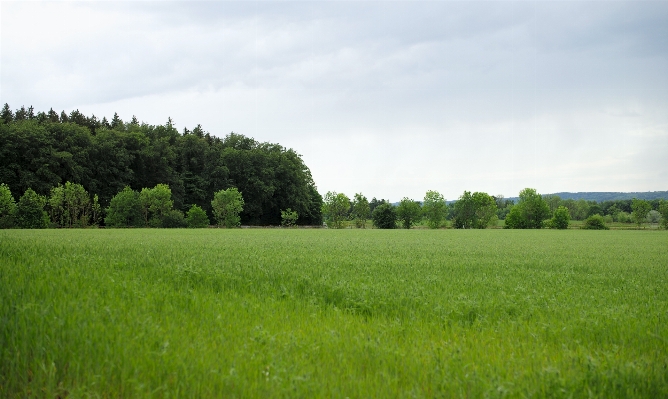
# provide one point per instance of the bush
(289, 218)
(124, 209)
(561, 218)
(227, 205)
(7, 208)
(197, 218)
(384, 216)
(30, 211)
(595, 222)
(173, 219)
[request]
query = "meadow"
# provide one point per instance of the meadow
(333, 313)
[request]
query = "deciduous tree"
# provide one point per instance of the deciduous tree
(30, 211)
(7, 207)
(335, 209)
(434, 209)
(640, 210)
(227, 205)
(530, 211)
(384, 216)
(361, 210)
(197, 218)
(409, 212)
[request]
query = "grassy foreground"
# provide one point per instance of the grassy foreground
(323, 313)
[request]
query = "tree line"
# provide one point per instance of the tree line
(42, 150)
(479, 210)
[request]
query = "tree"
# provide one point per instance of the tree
(227, 205)
(595, 222)
(561, 218)
(96, 211)
(475, 211)
(361, 210)
(30, 211)
(289, 217)
(156, 204)
(530, 211)
(434, 209)
(640, 210)
(384, 216)
(409, 212)
(485, 210)
(196, 217)
(7, 207)
(663, 210)
(335, 209)
(124, 209)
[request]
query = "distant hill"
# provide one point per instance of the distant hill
(611, 196)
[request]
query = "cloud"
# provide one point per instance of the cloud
(387, 98)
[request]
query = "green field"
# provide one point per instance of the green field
(326, 313)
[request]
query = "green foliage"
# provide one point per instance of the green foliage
(663, 210)
(530, 211)
(156, 205)
(595, 222)
(475, 211)
(261, 313)
(197, 218)
(409, 212)
(561, 218)
(361, 210)
(30, 211)
(227, 205)
(640, 210)
(434, 209)
(384, 216)
(335, 208)
(172, 219)
(124, 210)
(69, 205)
(7, 207)
(289, 218)
(96, 211)
(104, 157)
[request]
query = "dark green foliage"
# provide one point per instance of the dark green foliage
(595, 222)
(561, 218)
(384, 216)
(172, 219)
(124, 210)
(530, 211)
(42, 151)
(409, 212)
(196, 217)
(30, 211)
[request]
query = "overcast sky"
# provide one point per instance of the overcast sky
(387, 98)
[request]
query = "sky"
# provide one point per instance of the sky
(386, 98)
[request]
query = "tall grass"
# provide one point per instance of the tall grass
(325, 313)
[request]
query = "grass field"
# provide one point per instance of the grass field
(326, 313)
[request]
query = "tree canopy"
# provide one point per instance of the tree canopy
(42, 150)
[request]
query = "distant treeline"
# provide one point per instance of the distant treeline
(611, 196)
(42, 150)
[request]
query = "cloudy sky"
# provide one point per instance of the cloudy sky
(387, 98)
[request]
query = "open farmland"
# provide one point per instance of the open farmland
(324, 313)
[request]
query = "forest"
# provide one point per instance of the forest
(42, 150)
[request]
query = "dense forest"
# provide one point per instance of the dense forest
(45, 149)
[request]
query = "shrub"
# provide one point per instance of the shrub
(289, 217)
(561, 218)
(124, 209)
(7, 208)
(384, 216)
(173, 219)
(30, 211)
(595, 222)
(196, 217)
(227, 205)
